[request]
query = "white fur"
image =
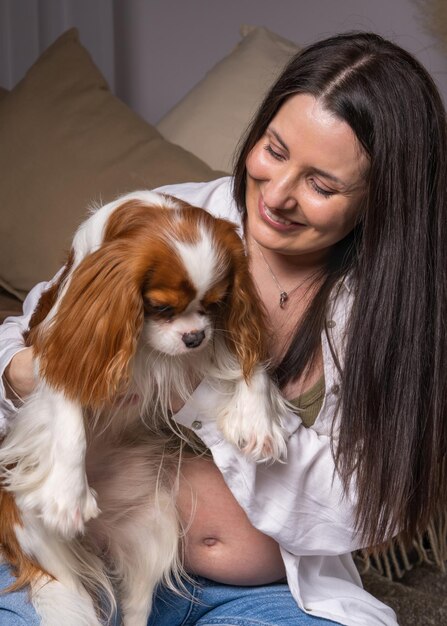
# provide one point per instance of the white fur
(46, 448)
(242, 417)
(52, 599)
(134, 542)
(138, 522)
(66, 595)
(200, 261)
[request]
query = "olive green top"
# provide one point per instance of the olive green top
(309, 403)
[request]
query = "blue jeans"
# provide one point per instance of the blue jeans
(210, 603)
(15, 607)
(213, 603)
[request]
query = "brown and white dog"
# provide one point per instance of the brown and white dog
(156, 295)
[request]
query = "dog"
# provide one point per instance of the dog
(155, 296)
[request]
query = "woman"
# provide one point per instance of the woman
(340, 186)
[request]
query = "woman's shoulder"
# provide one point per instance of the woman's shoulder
(215, 196)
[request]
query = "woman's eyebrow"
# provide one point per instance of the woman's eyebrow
(325, 174)
(278, 138)
(316, 170)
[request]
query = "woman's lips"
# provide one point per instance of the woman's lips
(277, 221)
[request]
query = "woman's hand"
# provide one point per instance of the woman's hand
(19, 375)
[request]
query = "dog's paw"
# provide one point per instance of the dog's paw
(259, 436)
(270, 447)
(68, 519)
(252, 418)
(64, 503)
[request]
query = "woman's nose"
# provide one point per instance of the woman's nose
(280, 194)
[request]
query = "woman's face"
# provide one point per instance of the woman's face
(305, 180)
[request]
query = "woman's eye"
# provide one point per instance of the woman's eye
(276, 155)
(323, 192)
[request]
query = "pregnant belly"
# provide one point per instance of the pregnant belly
(220, 543)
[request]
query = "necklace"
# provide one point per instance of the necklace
(283, 294)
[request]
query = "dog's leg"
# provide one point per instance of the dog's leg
(251, 417)
(57, 605)
(62, 600)
(144, 551)
(46, 450)
(138, 526)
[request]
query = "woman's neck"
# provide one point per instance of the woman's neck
(286, 271)
(299, 278)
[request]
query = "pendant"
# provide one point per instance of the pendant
(283, 297)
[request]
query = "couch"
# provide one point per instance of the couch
(66, 143)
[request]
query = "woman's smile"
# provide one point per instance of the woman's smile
(275, 219)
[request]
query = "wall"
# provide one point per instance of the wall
(153, 51)
(27, 27)
(176, 42)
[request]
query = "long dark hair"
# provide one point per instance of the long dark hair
(393, 422)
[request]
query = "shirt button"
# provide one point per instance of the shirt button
(331, 324)
(197, 425)
(335, 389)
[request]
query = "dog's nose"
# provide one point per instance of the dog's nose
(193, 339)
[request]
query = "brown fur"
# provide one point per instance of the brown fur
(245, 318)
(104, 307)
(45, 304)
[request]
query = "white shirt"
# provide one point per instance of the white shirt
(301, 503)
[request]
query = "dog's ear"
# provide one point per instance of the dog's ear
(46, 302)
(245, 317)
(87, 348)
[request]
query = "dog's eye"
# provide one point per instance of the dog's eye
(163, 309)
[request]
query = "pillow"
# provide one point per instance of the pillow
(210, 120)
(66, 142)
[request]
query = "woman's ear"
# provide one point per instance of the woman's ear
(87, 348)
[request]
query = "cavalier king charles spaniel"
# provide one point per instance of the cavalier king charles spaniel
(156, 295)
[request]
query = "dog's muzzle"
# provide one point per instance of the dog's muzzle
(193, 339)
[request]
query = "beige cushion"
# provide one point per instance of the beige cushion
(9, 305)
(66, 141)
(211, 118)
